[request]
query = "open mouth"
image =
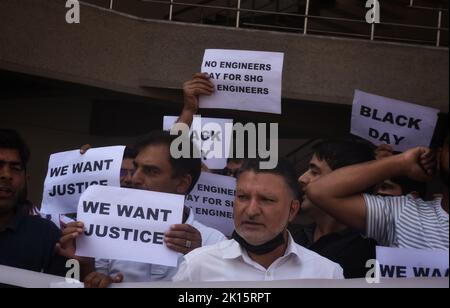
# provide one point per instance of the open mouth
(6, 192)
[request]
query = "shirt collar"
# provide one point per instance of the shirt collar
(292, 249)
(233, 251)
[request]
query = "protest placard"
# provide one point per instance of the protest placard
(128, 224)
(412, 263)
(212, 136)
(244, 80)
(212, 201)
(383, 120)
(71, 173)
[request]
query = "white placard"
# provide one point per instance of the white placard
(29, 279)
(412, 263)
(128, 224)
(244, 80)
(212, 201)
(71, 173)
(383, 120)
(211, 135)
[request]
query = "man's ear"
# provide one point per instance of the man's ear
(295, 207)
(184, 183)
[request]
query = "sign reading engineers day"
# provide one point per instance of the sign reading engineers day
(212, 201)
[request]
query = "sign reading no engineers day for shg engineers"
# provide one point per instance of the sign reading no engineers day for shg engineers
(244, 80)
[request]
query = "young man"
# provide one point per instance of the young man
(401, 186)
(26, 241)
(405, 221)
(261, 248)
(326, 236)
(233, 166)
(398, 186)
(156, 170)
(127, 169)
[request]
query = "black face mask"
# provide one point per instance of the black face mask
(260, 249)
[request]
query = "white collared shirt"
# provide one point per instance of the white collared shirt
(144, 272)
(228, 261)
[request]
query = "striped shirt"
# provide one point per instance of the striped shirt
(406, 222)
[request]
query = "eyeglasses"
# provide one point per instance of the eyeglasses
(127, 172)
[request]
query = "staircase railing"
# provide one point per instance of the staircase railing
(240, 15)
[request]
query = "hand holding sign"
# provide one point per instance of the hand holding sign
(67, 243)
(192, 89)
(183, 238)
(97, 280)
(67, 247)
(84, 148)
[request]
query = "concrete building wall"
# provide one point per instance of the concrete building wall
(151, 58)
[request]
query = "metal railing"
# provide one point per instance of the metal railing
(240, 13)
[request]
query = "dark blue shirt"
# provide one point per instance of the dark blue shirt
(28, 242)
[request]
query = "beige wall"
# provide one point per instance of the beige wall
(144, 57)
